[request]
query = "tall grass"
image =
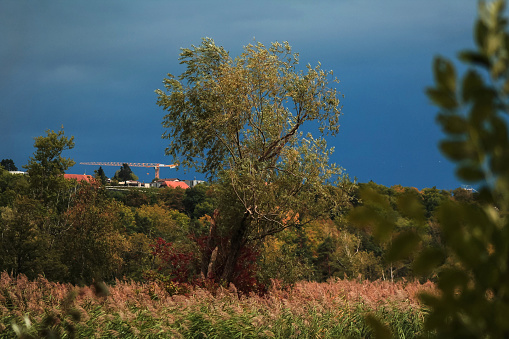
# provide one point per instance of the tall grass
(145, 310)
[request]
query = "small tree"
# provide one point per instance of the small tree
(47, 167)
(199, 200)
(34, 223)
(100, 175)
(125, 173)
(11, 186)
(240, 121)
(93, 245)
(8, 164)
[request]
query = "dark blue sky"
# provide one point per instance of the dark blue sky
(93, 66)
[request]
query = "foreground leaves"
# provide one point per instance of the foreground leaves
(474, 284)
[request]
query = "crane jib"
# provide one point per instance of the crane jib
(156, 166)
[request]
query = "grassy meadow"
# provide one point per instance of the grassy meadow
(333, 309)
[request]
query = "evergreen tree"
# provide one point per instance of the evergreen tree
(125, 173)
(8, 164)
(47, 167)
(100, 175)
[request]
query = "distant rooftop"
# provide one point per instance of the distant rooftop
(173, 184)
(79, 177)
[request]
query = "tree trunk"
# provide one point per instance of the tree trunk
(237, 242)
(211, 268)
(210, 246)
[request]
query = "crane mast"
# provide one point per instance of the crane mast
(156, 166)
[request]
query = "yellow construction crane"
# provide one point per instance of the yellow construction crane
(131, 164)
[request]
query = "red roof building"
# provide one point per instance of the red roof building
(173, 184)
(79, 177)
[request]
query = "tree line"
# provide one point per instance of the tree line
(80, 232)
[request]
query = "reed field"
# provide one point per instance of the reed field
(337, 308)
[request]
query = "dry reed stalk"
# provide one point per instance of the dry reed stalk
(131, 301)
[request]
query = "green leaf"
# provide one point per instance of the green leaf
(505, 88)
(101, 289)
(429, 299)
(474, 58)
(498, 8)
(383, 230)
(499, 68)
(494, 42)
(470, 174)
(366, 217)
(362, 217)
(445, 75)
(451, 278)
(376, 212)
(75, 314)
(480, 33)
(449, 215)
(372, 197)
(457, 150)
(500, 162)
(380, 330)
(483, 108)
(472, 84)
(411, 207)
(453, 124)
(442, 98)
(428, 260)
(506, 42)
(499, 130)
(403, 246)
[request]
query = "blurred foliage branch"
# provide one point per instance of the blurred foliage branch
(473, 298)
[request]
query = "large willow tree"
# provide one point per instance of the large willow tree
(240, 121)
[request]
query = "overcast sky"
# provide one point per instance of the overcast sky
(93, 66)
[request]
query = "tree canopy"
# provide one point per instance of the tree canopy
(240, 120)
(223, 110)
(100, 175)
(125, 173)
(8, 164)
(47, 165)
